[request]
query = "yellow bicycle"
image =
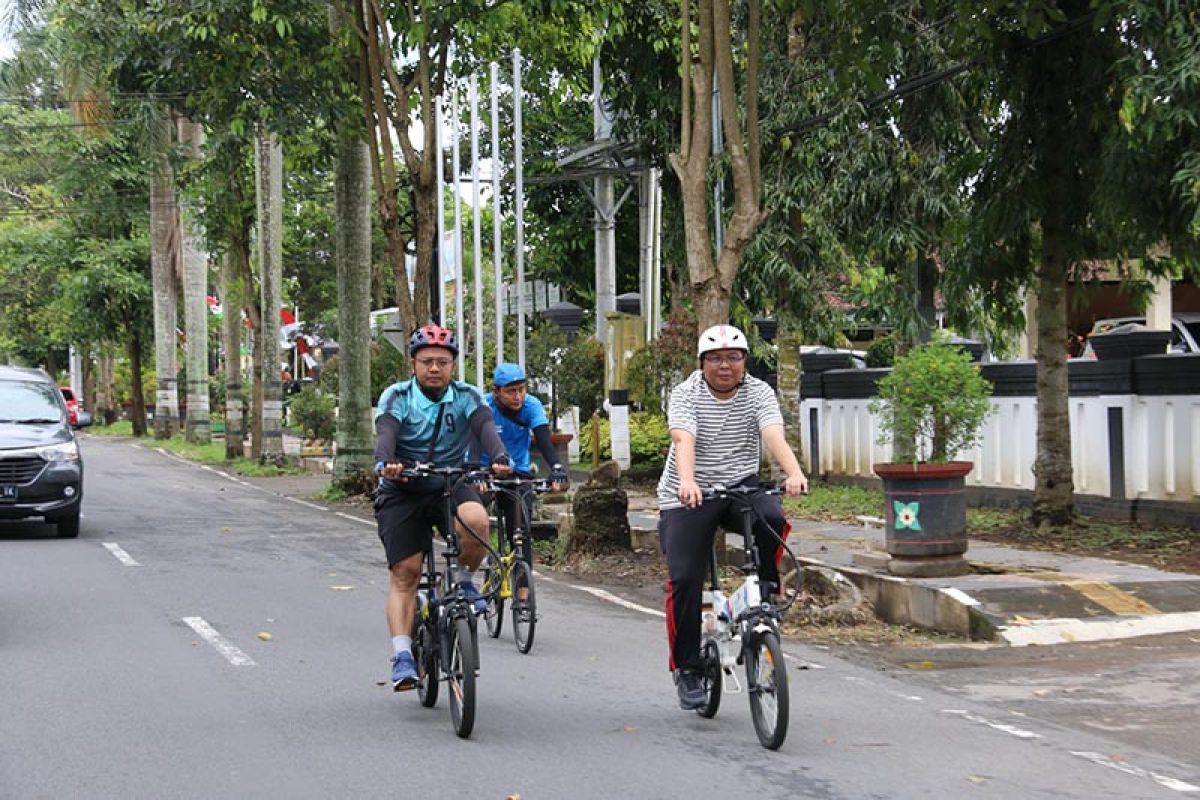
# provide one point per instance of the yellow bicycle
(508, 573)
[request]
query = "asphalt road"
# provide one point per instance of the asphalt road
(131, 666)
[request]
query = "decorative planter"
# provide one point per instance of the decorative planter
(926, 517)
(1130, 341)
(560, 442)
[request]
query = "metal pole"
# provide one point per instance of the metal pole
(656, 258)
(459, 272)
(519, 205)
(496, 267)
(477, 285)
(439, 267)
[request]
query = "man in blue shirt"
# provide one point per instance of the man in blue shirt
(518, 415)
(429, 418)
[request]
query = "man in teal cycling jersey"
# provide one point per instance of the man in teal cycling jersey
(518, 416)
(429, 418)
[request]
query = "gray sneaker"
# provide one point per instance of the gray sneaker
(690, 685)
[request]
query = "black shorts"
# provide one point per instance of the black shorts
(407, 518)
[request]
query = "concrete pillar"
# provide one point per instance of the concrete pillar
(1158, 312)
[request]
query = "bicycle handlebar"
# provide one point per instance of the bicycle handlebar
(720, 491)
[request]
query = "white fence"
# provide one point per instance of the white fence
(1122, 446)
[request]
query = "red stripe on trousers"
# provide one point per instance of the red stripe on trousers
(670, 628)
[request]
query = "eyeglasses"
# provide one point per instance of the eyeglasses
(717, 358)
(440, 363)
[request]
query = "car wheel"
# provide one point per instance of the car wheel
(68, 527)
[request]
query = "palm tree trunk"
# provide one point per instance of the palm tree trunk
(352, 190)
(268, 159)
(163, 246)
(138, 402)
(231, 335)
(198, 427)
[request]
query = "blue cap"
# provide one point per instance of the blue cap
(507, 373)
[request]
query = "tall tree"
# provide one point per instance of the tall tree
(268, 171)
(352, 204)
(713, 58)
(194, 261)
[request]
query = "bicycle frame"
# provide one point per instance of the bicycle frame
(735, 637)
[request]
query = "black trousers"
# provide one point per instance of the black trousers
(686, 536)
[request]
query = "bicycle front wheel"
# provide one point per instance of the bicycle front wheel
(493, 589)
(713, 679)
(460, 677)
(766, 676)
(524, 605)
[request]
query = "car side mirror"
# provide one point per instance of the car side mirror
(82, 419)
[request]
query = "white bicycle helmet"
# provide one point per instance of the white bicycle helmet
(722, 337)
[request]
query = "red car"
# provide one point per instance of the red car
(72, 405)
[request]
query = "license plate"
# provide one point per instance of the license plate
(8, 494)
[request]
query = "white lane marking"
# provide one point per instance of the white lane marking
(607, 596)
(1057, 631)
(304, 503)
(1130, 769)
(232, 654)
(1020, 733)
(120, 554)
(353, 518)
(884, 689)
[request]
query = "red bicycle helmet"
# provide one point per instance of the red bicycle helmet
(432, 336)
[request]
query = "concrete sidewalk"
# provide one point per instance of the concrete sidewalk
(1020, 597)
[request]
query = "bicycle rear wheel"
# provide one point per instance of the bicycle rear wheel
(766, 676)
(712, 679)
(425, 653)
(524, 605)
(460, 677)
(493, 585)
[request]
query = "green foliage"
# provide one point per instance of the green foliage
(934, 398)
(662, 363)
(882, 351)
(648, 439)
(571, 368)
(313, 411)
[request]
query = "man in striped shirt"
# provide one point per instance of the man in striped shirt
(719, 418)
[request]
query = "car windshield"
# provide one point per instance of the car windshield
(22, 401)
(1194, 330)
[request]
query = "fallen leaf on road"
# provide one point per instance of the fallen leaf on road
(1016, 713)
(513, 797)
(629, 728)
(341, 588)
(266, 637)
(1019, 620)
(1069, 637)
(1041, 692)
(976, 779)
(920, 665)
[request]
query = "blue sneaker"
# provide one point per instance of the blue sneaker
(473, 595)
(404, 672)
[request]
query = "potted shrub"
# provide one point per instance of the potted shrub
(930, 407)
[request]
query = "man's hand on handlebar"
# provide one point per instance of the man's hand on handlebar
(795, 485)
(502, 466)
(393, 471)
(690, 493)
(559, 479)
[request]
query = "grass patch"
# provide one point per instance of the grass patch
(835, 503)
(212, 453)
(333, 493)
(121, 427)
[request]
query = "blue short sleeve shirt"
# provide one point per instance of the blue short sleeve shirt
(516, 430)
(418, 415)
